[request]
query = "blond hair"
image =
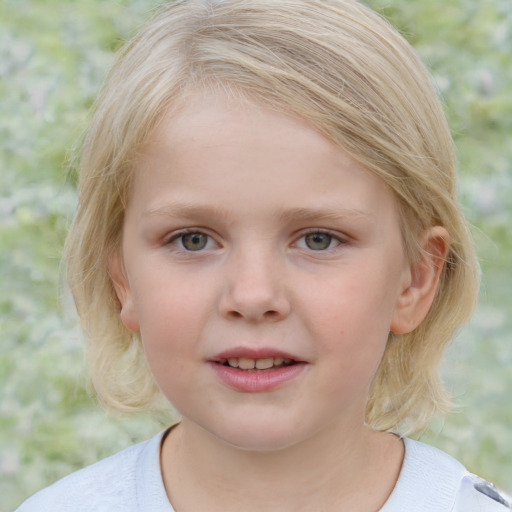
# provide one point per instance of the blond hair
(339, 66)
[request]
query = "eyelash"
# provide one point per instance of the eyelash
(177, 236)
(333, 237)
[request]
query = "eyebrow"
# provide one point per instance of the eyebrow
(300, 214)
(184, 210)
(323, 214)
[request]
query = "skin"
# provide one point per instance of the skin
(256, 183)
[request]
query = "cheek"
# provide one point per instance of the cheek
(171, 304)
(170, 321)
(169, 343)
(350, 319)
(363, 300)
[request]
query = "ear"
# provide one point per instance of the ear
(128, 313)
(421, 282)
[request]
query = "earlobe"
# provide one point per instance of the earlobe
(128, 313)
(419, 291)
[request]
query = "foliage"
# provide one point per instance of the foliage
(53, 58)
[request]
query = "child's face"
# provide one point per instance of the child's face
(249, 236)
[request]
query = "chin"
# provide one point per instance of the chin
(259, 438)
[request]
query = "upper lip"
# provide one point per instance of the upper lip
(253, 353)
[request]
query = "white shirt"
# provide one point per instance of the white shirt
(131, 481)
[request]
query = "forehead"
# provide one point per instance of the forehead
(215, 120)
(220, 152)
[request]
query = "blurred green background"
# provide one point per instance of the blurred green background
(54, 55)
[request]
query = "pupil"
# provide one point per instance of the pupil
(318, 241)
(194, 241)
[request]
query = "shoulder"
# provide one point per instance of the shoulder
(101, 486)
(431, 479)
(477, 494)
(112, 484)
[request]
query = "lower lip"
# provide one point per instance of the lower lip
(254, 381)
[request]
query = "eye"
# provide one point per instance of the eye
(192, 241)
(318, 241)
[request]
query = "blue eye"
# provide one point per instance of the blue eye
(193, 241)
(318, 241)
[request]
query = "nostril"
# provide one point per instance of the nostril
(267, 315)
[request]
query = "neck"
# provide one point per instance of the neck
(338, 467)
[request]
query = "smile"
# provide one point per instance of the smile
(267, 363)
(250, 370)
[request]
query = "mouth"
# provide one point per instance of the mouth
(249, 370)
(260, 364)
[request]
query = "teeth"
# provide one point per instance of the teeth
(245, 363)
(264, 364)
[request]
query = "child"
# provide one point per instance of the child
(268, 235)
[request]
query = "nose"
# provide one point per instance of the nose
(254, 289)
